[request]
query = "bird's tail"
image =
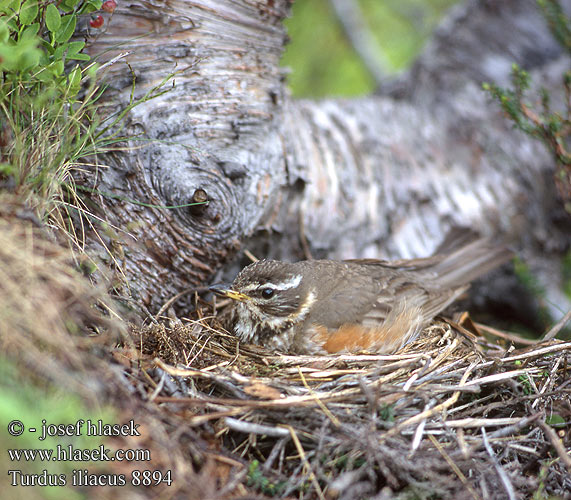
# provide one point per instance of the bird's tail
(469, 262)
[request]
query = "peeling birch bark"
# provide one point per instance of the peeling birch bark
(382, 176)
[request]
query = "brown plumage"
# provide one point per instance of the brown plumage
(325, 306)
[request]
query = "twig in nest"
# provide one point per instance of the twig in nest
(557, 327)
(428, 413)
(563, 346)
(512, 337)
(250, 255)
(278, 449)
(478, 422)
(557, 444)
(501, 472)
(330, 415)
(251, 428)
(502, 376)
(454, 467)
(420, 429)
(306, 463)
(510, 430)
(168, 303)
(159, 386)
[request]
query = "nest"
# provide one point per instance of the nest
(452, 415)
(455, 414)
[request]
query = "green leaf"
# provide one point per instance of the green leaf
(92, 71)
(75, 52)
(22, 56)
(9, 6)
(51, 72)
(46, 46)
(4, 31)
(53, 18)
(12, 24)
(91, 6)
(28, 12)
(75, 81)
(68, 5)
(59, 51)
(555, 420)
(44, 76)
(67, 28)
(6, 169)
(75, 76)
(75, 47)
(71, 51)
(30, 32)
(79, 57)
(57, 67)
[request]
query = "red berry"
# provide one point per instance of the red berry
(109, 5)
(96, 22)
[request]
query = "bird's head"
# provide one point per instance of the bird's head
(270, 296)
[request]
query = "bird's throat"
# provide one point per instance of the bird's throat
(252, 325)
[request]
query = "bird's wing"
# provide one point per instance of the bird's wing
(381, 322)
(402, 292)
(404, 264)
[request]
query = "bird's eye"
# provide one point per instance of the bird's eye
(267, 293)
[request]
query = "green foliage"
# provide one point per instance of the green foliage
(35, 36)
(558, 22)
(529, 281)
(23, 400)
(525, 384)
(526, 277)
(555, 420)
(50, 119)
(538, 119)
(46, 123)
(322, 59)
(344, 461)
(540, 493)
(566, 265)
(257, 480)
(387, 413)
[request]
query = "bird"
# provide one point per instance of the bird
(321, 307)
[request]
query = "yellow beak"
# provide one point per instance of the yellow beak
(225, 290)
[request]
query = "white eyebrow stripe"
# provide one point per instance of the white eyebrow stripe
(286, 285)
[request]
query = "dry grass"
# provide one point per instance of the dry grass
(453, 415)
(450, 416)
(49, 312)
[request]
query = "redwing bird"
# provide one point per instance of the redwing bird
(327, 306)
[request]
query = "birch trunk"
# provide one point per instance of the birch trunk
(382, 176)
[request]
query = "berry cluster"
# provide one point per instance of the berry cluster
(108, 6)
